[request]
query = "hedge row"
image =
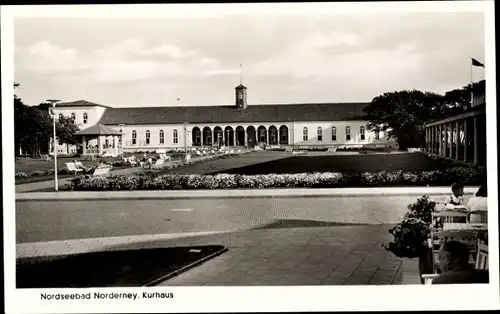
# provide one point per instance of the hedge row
(157, 181)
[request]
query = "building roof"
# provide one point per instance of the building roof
(241, 86)
(231, 114)
(98, 129)
(80, 103)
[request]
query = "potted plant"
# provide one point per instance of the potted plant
(411, 234)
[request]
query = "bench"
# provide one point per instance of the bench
(72, 168)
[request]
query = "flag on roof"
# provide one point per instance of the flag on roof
(477, 63)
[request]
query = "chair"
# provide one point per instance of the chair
(428, 278)
(450, 216)
(438, 238)
(101, 171)
(482, 257)
(479, 216)
(468, 237)
(72, 168)
(159, 163)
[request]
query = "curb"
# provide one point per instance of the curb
(248, 193)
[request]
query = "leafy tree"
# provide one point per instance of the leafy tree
(66, 128)
(34, 126)
(403, 114)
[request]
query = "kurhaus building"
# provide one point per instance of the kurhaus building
(314, 125)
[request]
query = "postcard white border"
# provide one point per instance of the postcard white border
(249, 299)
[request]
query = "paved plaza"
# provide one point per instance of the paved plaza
(341, 255)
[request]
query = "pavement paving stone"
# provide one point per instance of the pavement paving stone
(390, 265)
(334, 281)
(384, 276)
(346, 260)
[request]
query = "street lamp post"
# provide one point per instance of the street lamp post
(186, 157)
(54, 141)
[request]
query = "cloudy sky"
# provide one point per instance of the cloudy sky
(286, 59)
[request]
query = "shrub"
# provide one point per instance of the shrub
(21, 175)
(36, 173)
(155, 180)
(410, 235)
(63, 170)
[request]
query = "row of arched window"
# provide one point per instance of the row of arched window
(319, 133)
(175, 137)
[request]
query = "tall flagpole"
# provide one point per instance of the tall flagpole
(241, 74)
(471, 86)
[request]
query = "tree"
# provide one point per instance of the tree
(403, 114)
(33, 127)
(66, 129)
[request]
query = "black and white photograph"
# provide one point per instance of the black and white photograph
(197, 146)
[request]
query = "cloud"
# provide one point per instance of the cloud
(129, 60)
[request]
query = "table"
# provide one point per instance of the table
(464, 226)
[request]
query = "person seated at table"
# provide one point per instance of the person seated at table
(479, 202)
(457, 196)
(455, 266)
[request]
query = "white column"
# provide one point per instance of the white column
(202, 137)
(440, 138)
(84, 140)
(465, 140)
(267, 136)
(246, 137)
(457, 137)
(432, 140)
(476, 148)
(446, 138)
(99, 145)
(427, 139)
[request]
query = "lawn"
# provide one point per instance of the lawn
(344, 164)
(223, 164)
(28, 165)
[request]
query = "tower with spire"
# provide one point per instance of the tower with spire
(241, 92)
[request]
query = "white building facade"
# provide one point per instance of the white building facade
(312, 126)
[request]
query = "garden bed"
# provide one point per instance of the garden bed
(127, 268)
(156, 181)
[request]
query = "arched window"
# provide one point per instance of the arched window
(148, 136)
(162, 137)
(362, 133)
(85, 118)
(73, 116)
(320, 134)
(334, 133)
(175, 136)
(304, 135)
(262, 135)
(134, 137)
(347, 133)
(377, 135)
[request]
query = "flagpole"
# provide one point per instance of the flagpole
(471, 86)
(241, 74)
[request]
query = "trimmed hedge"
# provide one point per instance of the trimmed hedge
(156, 181)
